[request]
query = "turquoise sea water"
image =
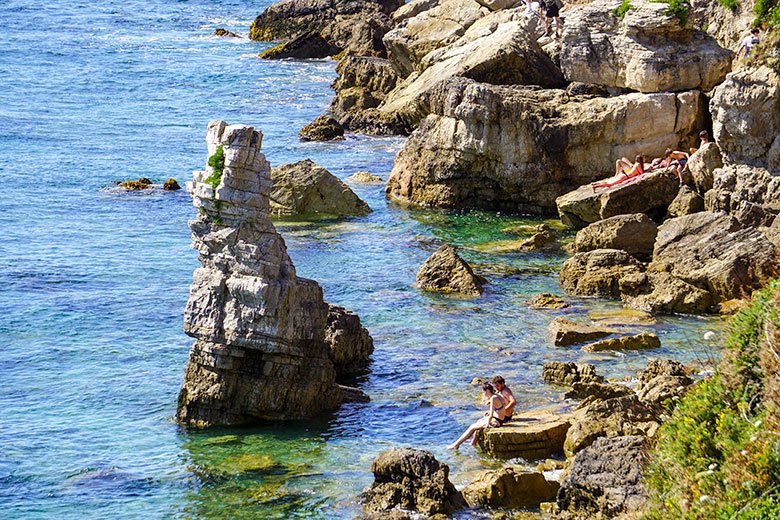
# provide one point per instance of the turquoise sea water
(93, 282)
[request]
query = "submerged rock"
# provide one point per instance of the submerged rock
(260, 350)
(605, 479)
(219, 31)
(305, 188)
(365, 178)
(141, 184)
(413, 480)
(566, 332)
(171, 185)
(547, 301)
(445, 271)
(644, 340)
(323, 128)
(510, 488)
(647, 49)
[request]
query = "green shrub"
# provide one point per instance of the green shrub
(678, 8)
(729, 4)
(762, 10)
(621, 10)
(217, 163)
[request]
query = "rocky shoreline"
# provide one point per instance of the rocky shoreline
(499, 117)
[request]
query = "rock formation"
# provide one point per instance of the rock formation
(519, 148)
(598, 272)
(445, 271)
(510, 488)
(547, 301)
(323, 128)
(306, 45)
(644, 340)
(635, 234)
(362, 85)
(566, 332)
(303, 188)
(260, 350)
(350, 343)
(413, 480)
(532, 435)
(647, 49)
(557, 372)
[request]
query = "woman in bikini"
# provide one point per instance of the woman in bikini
(494, 416)
(624, 171)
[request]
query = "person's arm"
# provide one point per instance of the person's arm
(491, 410)
(512, 401)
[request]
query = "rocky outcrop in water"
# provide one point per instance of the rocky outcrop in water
(362, 85)
(598, 272)
(565, 332)
(260, 350)
(519, 148)
(569, 373)
(510, 488)
(413, 480)
(304, 188)
(323, 128)
(350, 343)
(647, 49)
(445, 271)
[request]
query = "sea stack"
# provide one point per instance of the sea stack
(260, 351)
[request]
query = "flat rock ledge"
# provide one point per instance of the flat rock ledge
(532, 435)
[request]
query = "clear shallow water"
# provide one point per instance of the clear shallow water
(93, 283)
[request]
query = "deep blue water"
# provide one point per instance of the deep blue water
(93, 282)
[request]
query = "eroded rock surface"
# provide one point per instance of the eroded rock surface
(569, 373)
(645, 340)
(510, 488)
(647, 49)
(532, 435)
(350, 343)
(362, 85)
(566, 332)
(598, 272)
(413, 480)
(305, 188)
(323, 128)
(445, 271)
(634, 234)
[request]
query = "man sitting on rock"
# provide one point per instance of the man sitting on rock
(506, 394)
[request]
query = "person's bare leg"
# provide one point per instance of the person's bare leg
(468, 433)
(622, 164)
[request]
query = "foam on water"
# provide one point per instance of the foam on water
(93, 282)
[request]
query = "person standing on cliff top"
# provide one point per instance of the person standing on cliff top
(506, 393)
(747, 44)
(551, 9)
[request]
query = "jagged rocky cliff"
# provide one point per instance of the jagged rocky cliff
(261, 350)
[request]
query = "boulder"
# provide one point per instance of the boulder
(531, 435)
(750, 194)
(702, 165)
(258, 327)
(142, 183)
(605, 479)
(650, 193)
(359, 35)
(365, 178)
(541, 239)
(350, 343)
(634, 234)
(306, 45)
(661, 367)
(746, 118)
(547, 301)
(647, 49)
(323, 128)
(625, 415)
(429, 29)
(566, 332)
(557, 372)
(686, 202)
(712, 252)
(494, 50)
(412, 9)
(645, 340)
(509, 487)
(519, 148)
(593, 391)
(303, 188)
(362, 85)
(598, 272)
(661, 389)
(445, 271)
(413, 480)
(171, 185)
(219, 31)
(662, 292)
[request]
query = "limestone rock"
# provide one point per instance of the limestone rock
(598, 272)
(519, 148)
(547, 301)
(623, 317)
(727, 26)
(662, 388)
(751, 194)
(290, 18)
(307, 45)
(359, 35)
(662, 367)
(746, 118)
(710, 251)
(362, 84)
(566, 332)
(569, 373)
(142, 183)
(645, 50)
(686, 202)
(531, 435)
(649, 193)
(645, 340)
(413, 8)
(350, 343)
(494, 50)
(323, 128)
(171, 185)
(219, 31)
(634, 234)
(430, 29)
(662, 292)
(605, 479)
(445, 271)
(597, 391)
(541, 239)
(510, 488)
(258, 327)
(364, 178)
(615, 417)
(702, 165)
(304, 188)
(413, 480)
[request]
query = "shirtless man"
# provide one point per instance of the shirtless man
(506, 393)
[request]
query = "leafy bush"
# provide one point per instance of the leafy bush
(718, 456)
(217, 163)
(621, 10)
(678, 8)
(729, 4)
(762, 10)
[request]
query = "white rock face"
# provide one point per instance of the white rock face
(647, 50)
